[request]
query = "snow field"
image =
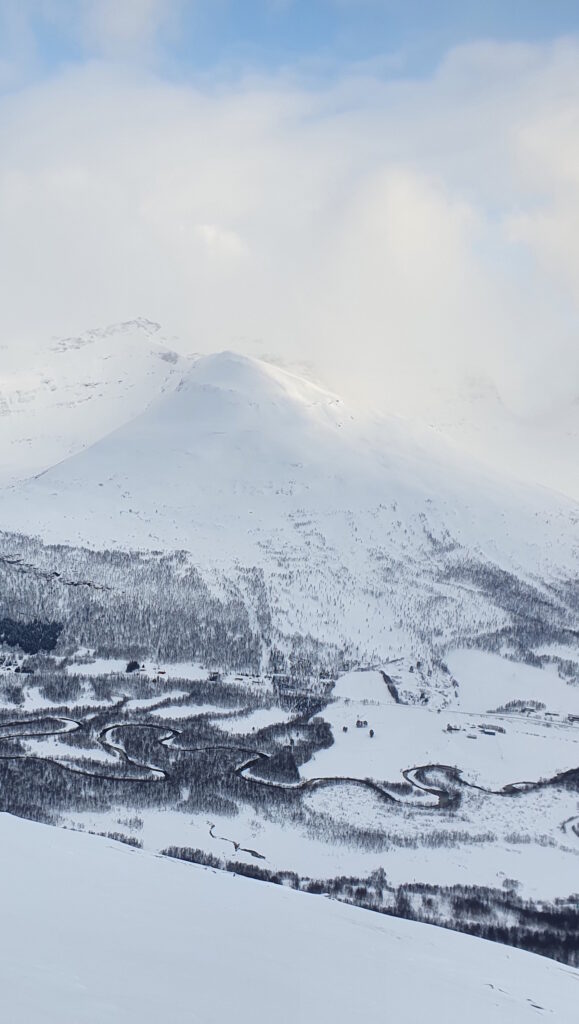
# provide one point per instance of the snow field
(488, 681)
(94, 931)
(411, 736)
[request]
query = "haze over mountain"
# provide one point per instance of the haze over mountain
(60, 396)
(537, 445)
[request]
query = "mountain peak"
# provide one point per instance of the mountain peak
(254, 379)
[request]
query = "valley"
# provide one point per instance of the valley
(325, 792)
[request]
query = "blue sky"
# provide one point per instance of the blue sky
(193, 36)
(415, 32)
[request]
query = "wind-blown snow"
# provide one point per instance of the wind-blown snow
(94, 932)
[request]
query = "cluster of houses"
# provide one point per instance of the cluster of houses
(361, 723)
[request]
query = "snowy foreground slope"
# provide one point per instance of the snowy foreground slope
(95, 932)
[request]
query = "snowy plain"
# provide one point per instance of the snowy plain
(491, 750)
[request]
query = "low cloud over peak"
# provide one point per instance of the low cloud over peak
(406, 236)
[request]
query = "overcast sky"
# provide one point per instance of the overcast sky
(387, 190)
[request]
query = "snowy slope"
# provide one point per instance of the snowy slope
(93, 931)
(239, 438)
(61, 396)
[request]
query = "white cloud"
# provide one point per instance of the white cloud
(111, 28)
(405, 236)
(118, 26)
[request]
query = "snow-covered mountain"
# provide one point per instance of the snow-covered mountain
(93, 931)
(354, 649)
(59, 397)
(237, 437)
(363, 533)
